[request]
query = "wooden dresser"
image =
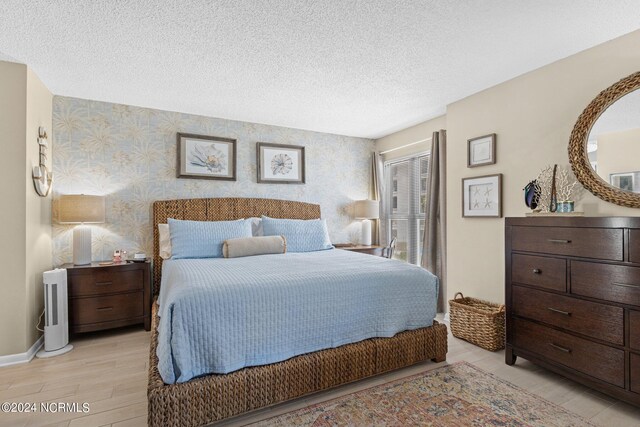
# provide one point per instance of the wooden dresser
(572, 294)
(105, 297)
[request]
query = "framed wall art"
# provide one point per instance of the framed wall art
(628, 181)
(280, 164)
(206, 157)
(481, 151)
(482, 196)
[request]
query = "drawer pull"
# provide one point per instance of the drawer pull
(624, 285)
(559, 347)
(555, 310)
(559, 241)
(105, 309)
(103, 283)
(537, 271)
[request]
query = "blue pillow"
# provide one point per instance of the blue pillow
(203, 239)
(302, 235)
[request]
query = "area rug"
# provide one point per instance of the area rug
(453, 395)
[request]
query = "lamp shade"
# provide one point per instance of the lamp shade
(367, 209)
(80, 208)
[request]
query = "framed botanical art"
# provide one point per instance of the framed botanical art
(482, 196)
(280, 164)
(481, 151)
(206, 157)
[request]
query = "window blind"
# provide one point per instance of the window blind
(404, 205)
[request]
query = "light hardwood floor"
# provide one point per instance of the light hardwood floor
(109, 371)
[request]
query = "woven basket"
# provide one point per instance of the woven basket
(479, 322)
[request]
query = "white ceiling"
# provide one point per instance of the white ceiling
(354, 67)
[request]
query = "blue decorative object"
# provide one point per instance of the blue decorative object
(565, 206)
(302, 235)
(203, 239)
(532, 194)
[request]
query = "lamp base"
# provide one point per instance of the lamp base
(366, 232)
(82, 245)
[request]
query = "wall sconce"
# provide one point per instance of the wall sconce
(42, 178)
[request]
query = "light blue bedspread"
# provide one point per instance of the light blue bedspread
(220, 315)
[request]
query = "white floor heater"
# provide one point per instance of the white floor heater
(56, 326)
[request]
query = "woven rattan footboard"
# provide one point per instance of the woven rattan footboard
(215, 397)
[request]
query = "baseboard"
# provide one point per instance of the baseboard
(15, 359)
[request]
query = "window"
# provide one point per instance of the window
(404, 205)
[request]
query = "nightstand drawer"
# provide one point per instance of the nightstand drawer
(107, 308)
(104, 281)
(569, 241)
(592, 319)
(598, 360)
(538, 271)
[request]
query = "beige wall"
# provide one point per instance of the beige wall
(533, 116)
(420, 132)
(38, 209)
(13, 107)
(25, 234)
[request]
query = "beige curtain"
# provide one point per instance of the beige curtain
(435, 238)
(375, 193)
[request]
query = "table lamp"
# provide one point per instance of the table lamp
(81, 209)
(367, 210)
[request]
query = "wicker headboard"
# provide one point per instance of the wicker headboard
(222, 209)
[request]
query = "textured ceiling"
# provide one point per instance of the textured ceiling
(355, 67)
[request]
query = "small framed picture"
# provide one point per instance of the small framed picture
(482, 196)
(624, 181)
(206, 157)
(280, 164)
(481, 151)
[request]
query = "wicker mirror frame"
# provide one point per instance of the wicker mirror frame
(578, 144)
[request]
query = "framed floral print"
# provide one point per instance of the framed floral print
(280, 164)
(206, 157)
(482, 196)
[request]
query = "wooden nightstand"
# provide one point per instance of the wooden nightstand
(365, 249)
(105, 297)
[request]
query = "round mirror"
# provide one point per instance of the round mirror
(604, 149)
(613, 145)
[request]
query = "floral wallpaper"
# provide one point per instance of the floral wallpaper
(128, 154)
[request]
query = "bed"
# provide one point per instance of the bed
(212, 397)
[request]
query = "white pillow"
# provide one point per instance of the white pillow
(165, 241)
(256, 226)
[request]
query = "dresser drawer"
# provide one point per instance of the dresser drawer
(634, 329)
(600, 321)
(635, 372)
(104, 281)
(616, 283)
(597, 360)
(578, 242)
(634, 245)
(107, 308)
(542, 272)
